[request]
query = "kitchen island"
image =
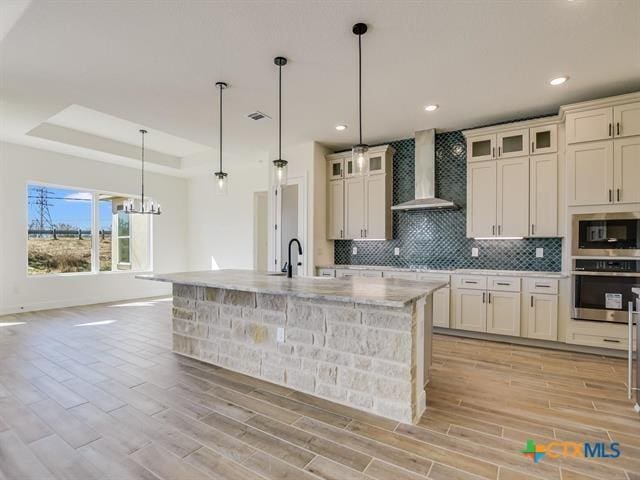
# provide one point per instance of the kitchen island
(361, 342)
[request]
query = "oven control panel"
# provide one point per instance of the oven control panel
(607, 265)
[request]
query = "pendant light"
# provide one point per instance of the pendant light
(279, 165)
(142, 206)
(359, 151)
(222, 185)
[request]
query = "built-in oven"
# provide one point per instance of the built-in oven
(601, 289)
(606, 234)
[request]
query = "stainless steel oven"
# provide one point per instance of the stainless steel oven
(606, 234)
(601, 289)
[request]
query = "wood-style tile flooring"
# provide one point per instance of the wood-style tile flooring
(95, 392)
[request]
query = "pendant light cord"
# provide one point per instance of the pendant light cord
(360, 84)
(142, 204)
(279, 112)
(220, 86)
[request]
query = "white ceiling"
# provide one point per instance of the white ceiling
(154, 64)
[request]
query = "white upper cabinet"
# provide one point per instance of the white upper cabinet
(513, 143)
(543, 195)
(589, 125)
(376, 163)
(481, 147)
(626, 119)
(590, 173)
(626, 170)
(543, 139)
(481, 199)
(375, 221)
(354, 207)
(336, 168)
(513, 197)
(335, 211)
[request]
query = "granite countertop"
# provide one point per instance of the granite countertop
(369, 291)
(459, 271)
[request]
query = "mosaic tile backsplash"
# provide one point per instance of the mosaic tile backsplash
(437, 238)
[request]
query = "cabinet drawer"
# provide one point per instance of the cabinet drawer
(371, 273)
(598, 334)
(326, 272)
(433, 277)
(609, 341)
(541, 285)
(347, 273)
(473, 282)
(504, 284)
(401, 275)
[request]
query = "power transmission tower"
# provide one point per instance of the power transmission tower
(41, 201)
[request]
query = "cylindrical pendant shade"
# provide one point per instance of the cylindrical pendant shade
(221, 183)
(279, 172)
(359, 155)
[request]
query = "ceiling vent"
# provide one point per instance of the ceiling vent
(257, 115)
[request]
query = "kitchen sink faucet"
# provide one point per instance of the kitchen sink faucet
(289, 265)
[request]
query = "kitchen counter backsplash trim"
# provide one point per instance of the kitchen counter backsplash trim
(436, 239)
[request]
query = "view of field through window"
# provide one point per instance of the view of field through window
(60, 232)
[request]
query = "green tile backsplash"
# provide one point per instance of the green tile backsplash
(436, 238)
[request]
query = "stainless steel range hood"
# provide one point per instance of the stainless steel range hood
(425, 172)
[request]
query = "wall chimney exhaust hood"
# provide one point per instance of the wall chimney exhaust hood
(425, 173)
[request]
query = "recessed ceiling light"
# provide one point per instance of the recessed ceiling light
(431, 108)
(558, 81)
(341, 128)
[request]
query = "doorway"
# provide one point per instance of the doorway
(260, 231)
(289, 221)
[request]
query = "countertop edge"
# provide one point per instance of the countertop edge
(459, 271)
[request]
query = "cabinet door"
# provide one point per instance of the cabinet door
(543, 197)
(590, 173)
(626, 170)
(375, 207)
(503, 313)
(441, 307)
(481, 199)
(590, 125)
(470, 311)
(376, 163)
(542, 320)
(513, 197)
(482, 147)
(349, 170)
(336, 167)
(626, 119)
(514, 143)
(543, 139)
(354, 207)
(335, 227)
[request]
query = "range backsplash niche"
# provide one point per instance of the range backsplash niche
(437, 238)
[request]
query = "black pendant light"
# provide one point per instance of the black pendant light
(143, 206)
(359, 151)
(279, 176)
(222, 185)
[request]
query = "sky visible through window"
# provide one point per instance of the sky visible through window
(65, 208)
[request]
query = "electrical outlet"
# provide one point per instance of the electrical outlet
(539, 252)
(474, 252)
(355, 250)
(396, 251)
(280, 335)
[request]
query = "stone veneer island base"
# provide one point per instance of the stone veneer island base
(361, 342)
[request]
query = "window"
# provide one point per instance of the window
(82, 231)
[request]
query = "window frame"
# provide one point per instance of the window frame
(95, 233)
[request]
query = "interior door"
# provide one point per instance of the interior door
(335, 227)
(354, 207)
(543, 202)
(590, 125)
(470, 310)
(503, 313)
(590, 173)
(626, 170)
(513, 197)
(626, 119)
(375, 207)
(481, 199)
(542, 321)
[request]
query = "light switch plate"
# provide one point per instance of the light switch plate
(355, 250)
(396, 251)
(280, 335)
(539, 252)
(474, 252)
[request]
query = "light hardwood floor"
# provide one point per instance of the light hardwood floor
(94, 392)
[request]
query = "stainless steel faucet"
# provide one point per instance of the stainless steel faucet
(289, 264)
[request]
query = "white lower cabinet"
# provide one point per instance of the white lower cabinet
(469, 309)
(503, 313)
(542, 316)
(441, 299)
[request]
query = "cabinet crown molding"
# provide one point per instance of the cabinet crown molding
(505, 127)
(598, 103)
(376, 149)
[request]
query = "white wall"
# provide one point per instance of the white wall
(221, 227)
(19, 292)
